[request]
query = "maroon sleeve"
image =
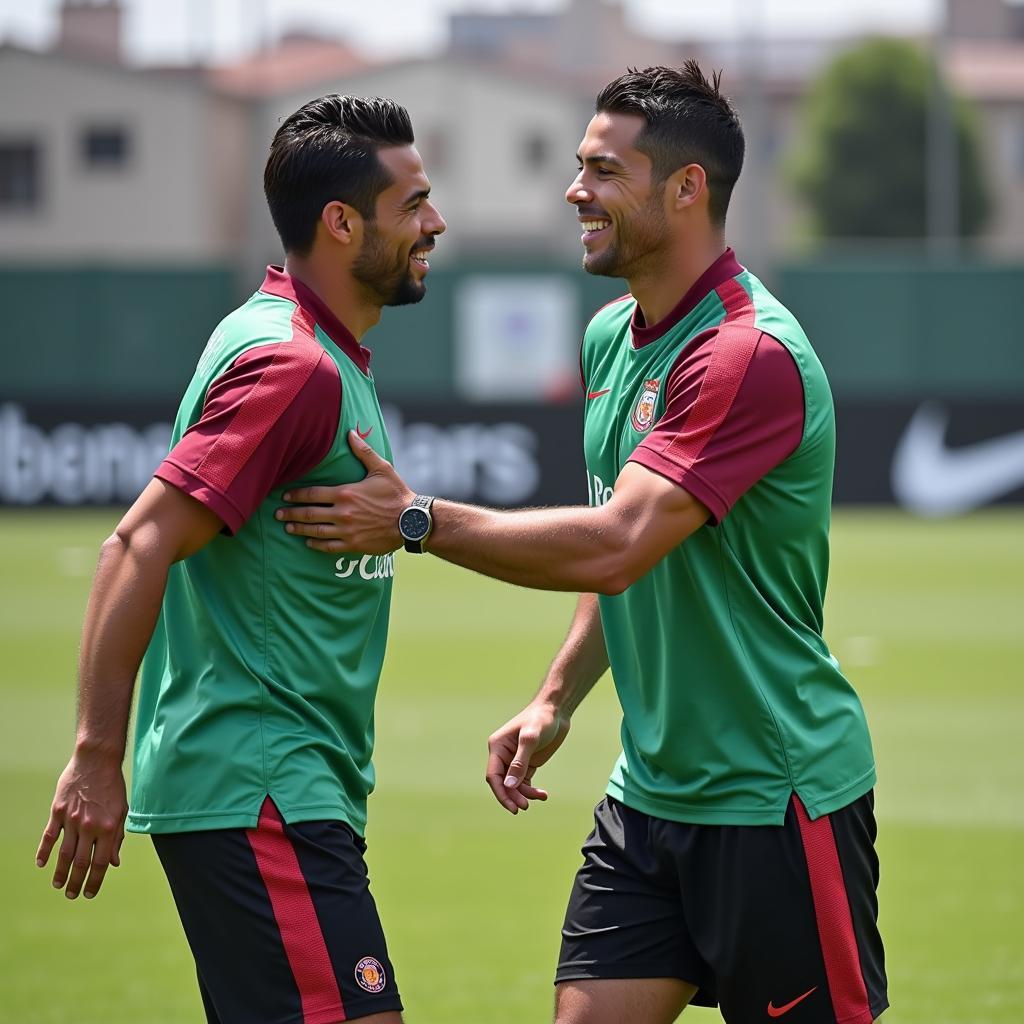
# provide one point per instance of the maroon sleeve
(268, 419)
(734, 409)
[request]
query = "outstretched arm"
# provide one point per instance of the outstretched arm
(90, 805)
(586, 550)
(524, 743)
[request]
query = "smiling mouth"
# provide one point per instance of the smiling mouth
(419, 258)
(594, 227)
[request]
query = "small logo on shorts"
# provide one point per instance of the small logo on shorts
(779, 1011)
(370, 974)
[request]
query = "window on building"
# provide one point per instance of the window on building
(536, 151)
(105, 147)
(19, 175)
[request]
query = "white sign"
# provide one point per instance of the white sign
(517, 337)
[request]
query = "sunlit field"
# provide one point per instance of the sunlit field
(927, 619)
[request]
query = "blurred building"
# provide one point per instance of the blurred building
(585, 42)
(982, 52)
(984, 58)
(101, 160)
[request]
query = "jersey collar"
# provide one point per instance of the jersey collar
(723, 269)
(284, 286)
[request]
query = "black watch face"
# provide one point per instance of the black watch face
(414, 524)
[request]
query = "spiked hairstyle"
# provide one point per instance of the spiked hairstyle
(688, 120)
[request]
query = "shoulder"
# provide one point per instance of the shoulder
(733, 353)
(612, 314)
(275, 373)
(257, 331)
(264, 317)
(605, 329)
(780, 322)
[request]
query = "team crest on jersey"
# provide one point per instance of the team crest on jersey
(643, 412)
(370, 974)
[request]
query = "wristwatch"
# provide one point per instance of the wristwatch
(415, 523)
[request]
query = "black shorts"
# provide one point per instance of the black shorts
(281, 922)
(768, 921)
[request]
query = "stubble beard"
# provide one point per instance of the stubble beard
(386, 276)
(639, 241)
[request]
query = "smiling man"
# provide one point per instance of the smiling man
(254, 732)
(732, 858)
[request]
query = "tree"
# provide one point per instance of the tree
(864, 167)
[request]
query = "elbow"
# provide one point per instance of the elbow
(615, 572)
(612, 586)
(615, 582)
(130, 540)
(115, 545)
(113, 553)
(617, 554)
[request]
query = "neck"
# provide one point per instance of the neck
(657, 289)
(343, 295)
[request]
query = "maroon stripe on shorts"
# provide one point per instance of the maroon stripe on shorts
(835, 922)
(301, 935)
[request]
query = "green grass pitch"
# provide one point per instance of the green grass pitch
(927, 618)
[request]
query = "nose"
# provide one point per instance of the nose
(436, 223)
(577, 192)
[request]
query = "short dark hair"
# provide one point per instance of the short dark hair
(688, 121)
(326, 151)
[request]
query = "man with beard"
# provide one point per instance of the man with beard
(732, 858)
(254, 732)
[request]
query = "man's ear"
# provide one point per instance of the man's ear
(342, 222)
(686, 186)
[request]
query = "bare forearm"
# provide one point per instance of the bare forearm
(527, 741)
(600, 550)
(119, 622)
(581, 660)
(575, 549)
(90, 805)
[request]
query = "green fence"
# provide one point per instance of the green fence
(883, 330)
(898, 329)
(103, 334)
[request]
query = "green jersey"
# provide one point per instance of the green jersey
(262, 671)
(731, 700)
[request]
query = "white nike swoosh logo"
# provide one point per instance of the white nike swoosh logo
(934, 480)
